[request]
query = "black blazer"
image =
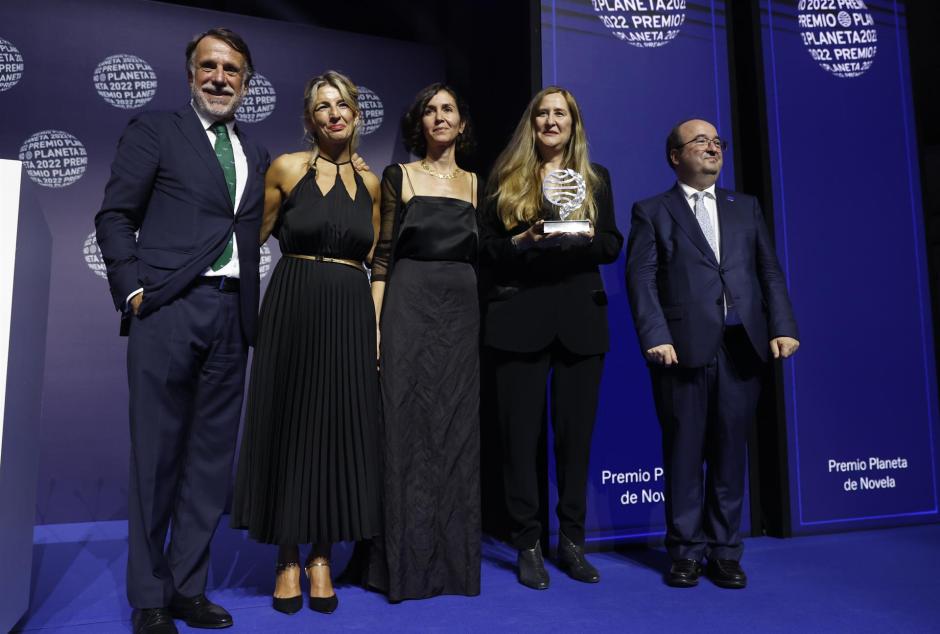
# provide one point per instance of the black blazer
(167, 184)
(676, 286)
(535, 296)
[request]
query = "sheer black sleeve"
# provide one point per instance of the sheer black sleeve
(388, 225)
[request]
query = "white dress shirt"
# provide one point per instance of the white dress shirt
(241, 175)
(711, 206)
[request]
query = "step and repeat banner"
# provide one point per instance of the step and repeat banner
(636, 67)
(71, 75)
(861, 393)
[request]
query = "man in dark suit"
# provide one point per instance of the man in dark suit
(190, 185)
(709, 301)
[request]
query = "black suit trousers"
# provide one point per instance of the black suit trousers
(186, 373)
(705, 414)
(521, 380)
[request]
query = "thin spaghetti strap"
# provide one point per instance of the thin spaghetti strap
(408, 176)
(473, 188)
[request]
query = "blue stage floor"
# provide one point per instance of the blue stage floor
(872, 581)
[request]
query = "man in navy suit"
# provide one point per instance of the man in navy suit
(709, 302)
(179, 230)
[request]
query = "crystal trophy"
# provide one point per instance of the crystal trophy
(565, 191)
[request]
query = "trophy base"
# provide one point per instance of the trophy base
(566, 226)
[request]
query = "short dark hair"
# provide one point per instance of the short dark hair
(674, 141)
(412, 131)
(228, 36)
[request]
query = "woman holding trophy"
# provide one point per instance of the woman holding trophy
(548, 225)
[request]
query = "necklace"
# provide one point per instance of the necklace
(427, 168)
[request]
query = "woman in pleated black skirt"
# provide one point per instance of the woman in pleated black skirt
(308, 467)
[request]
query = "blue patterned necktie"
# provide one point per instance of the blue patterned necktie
(226, 156)
(704, 221)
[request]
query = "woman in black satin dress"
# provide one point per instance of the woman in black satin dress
(424, 287)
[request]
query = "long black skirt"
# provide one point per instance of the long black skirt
(430, 396)
(308, 468)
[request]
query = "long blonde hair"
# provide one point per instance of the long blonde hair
(517, 173)
(350, 94)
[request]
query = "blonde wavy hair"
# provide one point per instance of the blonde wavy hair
(350, 94)
(517, 182)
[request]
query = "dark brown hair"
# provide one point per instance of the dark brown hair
(412, 130)
(231, 38)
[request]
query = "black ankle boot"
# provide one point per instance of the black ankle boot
(571, 560)
(531, 568)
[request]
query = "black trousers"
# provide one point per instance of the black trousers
(705, 414)
(186, 373)
(521, 396)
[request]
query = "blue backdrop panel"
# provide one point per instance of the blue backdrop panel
(71, 75)
(861, 408)
(636, 69)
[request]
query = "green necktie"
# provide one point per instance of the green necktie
(223, 151)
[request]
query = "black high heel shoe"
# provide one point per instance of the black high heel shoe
(323, 605)
(288, 605)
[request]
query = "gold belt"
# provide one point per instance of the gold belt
(322, 258)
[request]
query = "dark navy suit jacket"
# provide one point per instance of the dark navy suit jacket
(167, 184)
(676, 285)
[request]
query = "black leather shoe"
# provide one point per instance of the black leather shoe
(531, 568)
(684, 573)
(153, 621)
(726, 573)
(199, 611)
(571, 560)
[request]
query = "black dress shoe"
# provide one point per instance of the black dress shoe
(153, 621)
(726, 573)
(571, 560)
(531, 568)
(684, 573)
(199, 611)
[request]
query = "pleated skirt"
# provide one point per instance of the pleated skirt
(308, 467)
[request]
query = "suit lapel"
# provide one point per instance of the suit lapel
(251, 160)
(680, 212)
(727, 220)
(191, 127)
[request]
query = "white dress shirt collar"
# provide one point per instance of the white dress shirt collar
(208, 123)
(690, 191)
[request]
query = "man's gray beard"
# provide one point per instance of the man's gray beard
(202, 103)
